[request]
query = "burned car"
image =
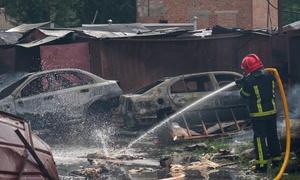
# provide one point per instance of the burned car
(158, 100)
(56, 97)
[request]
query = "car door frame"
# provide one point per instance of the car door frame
(182, 77)
(17, 92)
(226, 93)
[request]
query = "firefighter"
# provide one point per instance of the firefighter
(258, 89)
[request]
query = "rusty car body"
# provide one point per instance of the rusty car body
(16, 161)
(165, 96)
(57, 97)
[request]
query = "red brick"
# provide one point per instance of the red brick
(246, 14)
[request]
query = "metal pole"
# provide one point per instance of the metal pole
(41, 166)
(195, 23)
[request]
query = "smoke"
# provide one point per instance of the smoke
(293, 98)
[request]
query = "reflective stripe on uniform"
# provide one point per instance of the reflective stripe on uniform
(258, 101)
(273, 99)
(260, 160)
(244, 92)
(266, 113)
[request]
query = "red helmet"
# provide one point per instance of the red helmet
(251, 63)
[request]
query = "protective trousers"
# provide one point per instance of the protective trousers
(265, 139)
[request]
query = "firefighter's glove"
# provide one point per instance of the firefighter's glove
(239, 81)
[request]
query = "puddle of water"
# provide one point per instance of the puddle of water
(67, 155)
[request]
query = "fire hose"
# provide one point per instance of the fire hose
(287, 122)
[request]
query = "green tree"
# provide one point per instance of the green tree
(69, 13)
(290, 6)
(119, 11)
(29, 11)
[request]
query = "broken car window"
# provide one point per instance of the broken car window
(148, 87)
(198, 84)
(224, 79)
(178, 87)
(37, 86)
(69, 79)
(85, 79)
(7, 91)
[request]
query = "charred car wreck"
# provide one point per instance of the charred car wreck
(158, 100)
(53, 98)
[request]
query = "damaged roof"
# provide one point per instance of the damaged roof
(34, 35)
(7, 38)
(106, 34)
(293, 26)
(27, 27)
(50, 35)
(126, 28)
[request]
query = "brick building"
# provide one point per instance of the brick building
(5, 21)
(248, 14)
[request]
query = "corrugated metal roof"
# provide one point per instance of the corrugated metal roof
(154, 26)
(38, 42)
(9, 38)
(292, 26)
(106, 34)
(51, 35)
(127, 28)
(27, 27)
(57, 33)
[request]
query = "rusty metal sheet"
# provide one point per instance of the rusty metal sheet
(27, 27)
(16, 162)
(141, 61)
(129, 28)
(9, 38)
(38, 42)
(106, 34)
(74, 55)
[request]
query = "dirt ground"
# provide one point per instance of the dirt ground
(217, 158)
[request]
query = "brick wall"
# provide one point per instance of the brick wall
(260, 12)
(4, 21)
(228, 13)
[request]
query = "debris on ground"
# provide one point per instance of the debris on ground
(140, 170)
(165, 161)
(177, 170)
(88, 172)
(196, 169)
(204, 164)
(196, 147)
(177, 132)
(248, 153)
(225, 154)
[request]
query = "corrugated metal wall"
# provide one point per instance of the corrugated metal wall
(7, 59)
(138, 62)
(294, 56)
(75, 55)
